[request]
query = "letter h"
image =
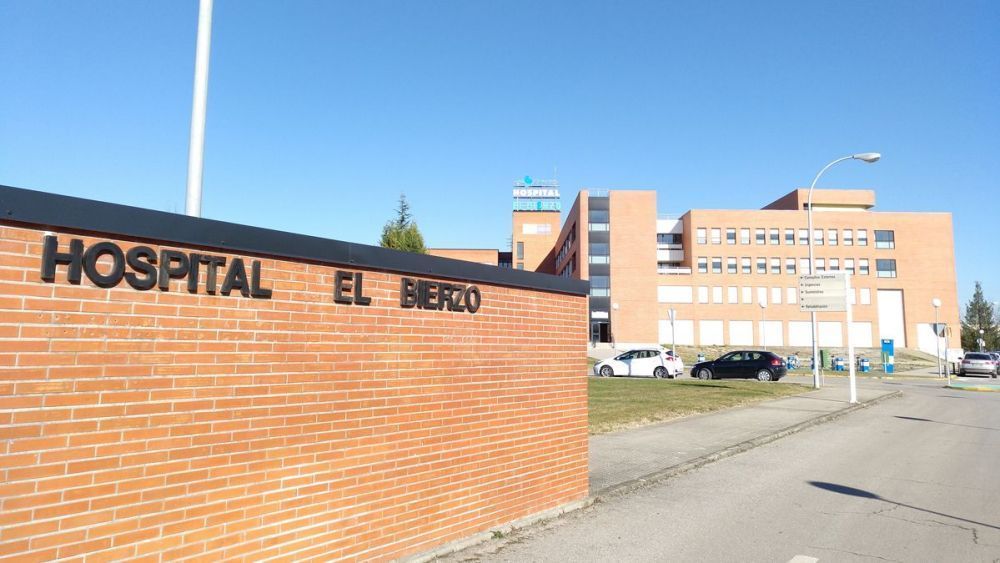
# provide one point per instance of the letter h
(51, 257)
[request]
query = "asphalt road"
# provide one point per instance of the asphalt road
(915, 478)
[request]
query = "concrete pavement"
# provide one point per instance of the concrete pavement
(625, 460)
(910, 479)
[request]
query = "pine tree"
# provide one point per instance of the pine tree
(979, 315)
(402, 233)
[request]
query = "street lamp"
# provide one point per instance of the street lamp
(937, 337)
(981, 340)
(864, 157)
(763, 323)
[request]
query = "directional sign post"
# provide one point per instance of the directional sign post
(831, 292)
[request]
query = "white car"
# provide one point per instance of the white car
(654, 362)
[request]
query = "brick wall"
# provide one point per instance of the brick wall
(165, 425)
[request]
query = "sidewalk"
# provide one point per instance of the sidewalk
(625, 460)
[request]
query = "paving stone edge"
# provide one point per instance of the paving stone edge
(638, 483)
(729, 451)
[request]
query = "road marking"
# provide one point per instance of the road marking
(803, 559)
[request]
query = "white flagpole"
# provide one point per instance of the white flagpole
(196, 150)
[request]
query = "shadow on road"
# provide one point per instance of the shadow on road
(948, 423)
(851, 491)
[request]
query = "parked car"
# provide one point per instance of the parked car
(981, 363)
(654, 362)
(758, 364)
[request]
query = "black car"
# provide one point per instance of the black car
(758, 364)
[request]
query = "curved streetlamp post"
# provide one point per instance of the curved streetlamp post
(864, 157)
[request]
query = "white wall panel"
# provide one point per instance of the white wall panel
(710, 333)
(830, 334)
(861, 335)
(890, 316)
(772, 331)
(685, 332)
(675, 294)
(799, 333)
(741, 333)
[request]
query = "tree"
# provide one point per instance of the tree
(979, 315)
(402, 233)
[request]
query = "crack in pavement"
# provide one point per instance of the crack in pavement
(855, 553)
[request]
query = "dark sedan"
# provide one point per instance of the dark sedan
(758, 364)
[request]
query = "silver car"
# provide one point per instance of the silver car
(979, 363)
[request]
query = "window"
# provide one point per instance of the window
(730, 236)
(803, 236)
(834, 264)
(775, 265)
(790, 266)
(760, 236)
(702, 235)
(716, 236)
(885, 268)
(520, 251)
(866, 296)
(862, 237)
(600, 286)
(818, 237)
(789, 236)
(520, 265)
(668, 238)
(731, 265)
(820, 265)
(848, 237)
(762, 265)
(831, 237)
(775, 236)
(599, 253)
(702, 265)
(849, 265)
(863, 266)
(716, 265)
(744, 236)
(598, 215)
(804, 266)
(745, 266)
(885, 239)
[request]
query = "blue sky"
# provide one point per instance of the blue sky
(321, 113)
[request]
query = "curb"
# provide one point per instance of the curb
(674, 470)
(498, 531)
(637, 483)
(979, 388)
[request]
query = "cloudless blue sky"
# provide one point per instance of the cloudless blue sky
(321, 113)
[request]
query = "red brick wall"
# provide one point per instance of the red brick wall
(151, 425)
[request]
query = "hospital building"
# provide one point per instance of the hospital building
(731, 275)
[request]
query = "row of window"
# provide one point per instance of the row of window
(600, 286)
(567, 244)
(884, 268)
(771, 296)
(830, 237)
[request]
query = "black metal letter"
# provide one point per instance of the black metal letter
(473, 298)
(255, 289)
(236, 277)
(94, 254)
(359, 298)
(132, 257)
(407, 293)
(51, 256)
(168, 271)
(213, 264)
(342, 284)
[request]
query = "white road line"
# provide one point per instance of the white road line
(803, 559)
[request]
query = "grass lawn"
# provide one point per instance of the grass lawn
(619, 403)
